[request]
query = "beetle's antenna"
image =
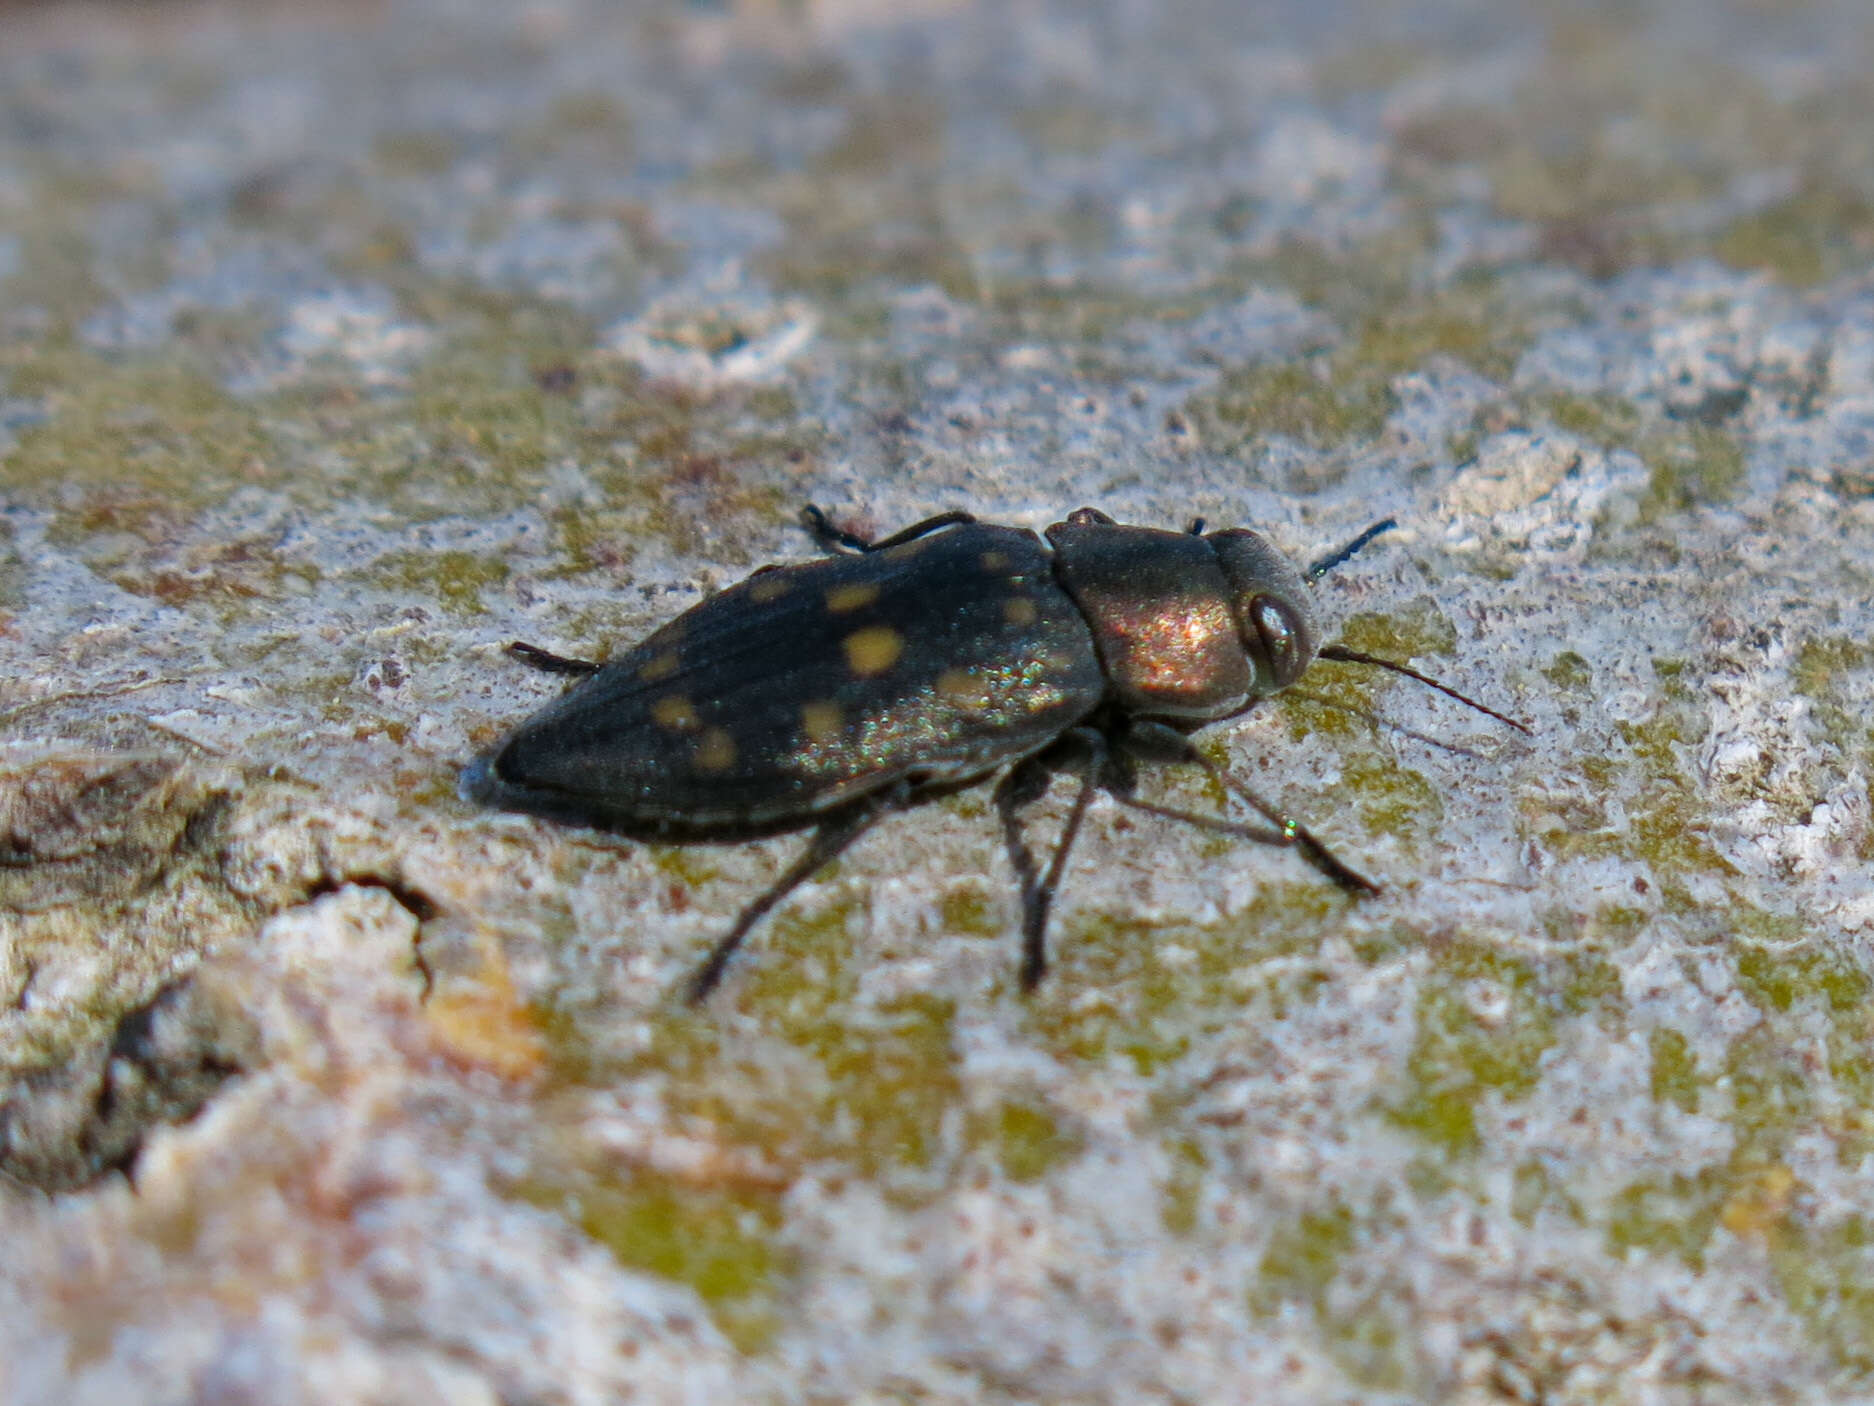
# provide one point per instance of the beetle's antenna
(1353, 656)
(1340, 554)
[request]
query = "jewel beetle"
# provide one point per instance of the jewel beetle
(830, 693)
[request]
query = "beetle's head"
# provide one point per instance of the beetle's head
(1273, 607)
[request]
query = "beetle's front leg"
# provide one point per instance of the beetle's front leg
(1157, 740)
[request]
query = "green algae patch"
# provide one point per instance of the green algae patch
(1467, 324)
(1675, 1070)
(1392, 800)
(885, 138)
(867, 217)
(1029, 1140)
(454, 580)
(1611, 421)
(724, 1243)
(1416, 629)
(1699, 468)
(1775, 980)
(1569, 672)
(1826, 1274)
(1180, 1196)
(1305, 1265)
(1344, 396)
(1773, 1089)
(414, 153)
(970, 908)
(1834, 675)
(1291, 399)
(1338, 699)
(515, 393)
(13, 574)
(1665, 820)
(789, 1063)
(1141, 993)
(1535, 1188)
(1069, 128)
(1672, 1215)
(149, 435)
(1691, 463)
(476, 429)
(888, 1082)
(1303, 1258)
(1485, 1019)
(1815, 235)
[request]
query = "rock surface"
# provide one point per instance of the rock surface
(341, 345)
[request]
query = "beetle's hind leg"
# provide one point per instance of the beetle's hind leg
(1157, 740)
(1023, 785)
(839, 541)
(830, 839)
(547, 662)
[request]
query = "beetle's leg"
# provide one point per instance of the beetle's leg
(534, 657)
(1161, 740)
(1024, 783)
(835, 539)
(828, 842)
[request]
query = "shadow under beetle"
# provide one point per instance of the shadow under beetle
(833, 692)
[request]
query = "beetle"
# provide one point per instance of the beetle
(833, 692)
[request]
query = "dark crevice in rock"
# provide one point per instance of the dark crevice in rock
(63, 1129)
(413, 900)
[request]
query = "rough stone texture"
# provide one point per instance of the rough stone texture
(340, 345)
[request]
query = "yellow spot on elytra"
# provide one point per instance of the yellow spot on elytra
(674, 712)
(856, 596)
(1020, 610)
(769, 586)
(715, 751)
(993, 560)
(658, 666)
(964, 689)
(820, 721)
(873, 650)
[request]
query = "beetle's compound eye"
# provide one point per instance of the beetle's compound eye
(1280, 632)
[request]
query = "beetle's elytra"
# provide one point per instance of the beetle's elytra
(831, 692)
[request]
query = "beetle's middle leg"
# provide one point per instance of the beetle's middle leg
(1025, 783)
(830, 839)
(1156, 740)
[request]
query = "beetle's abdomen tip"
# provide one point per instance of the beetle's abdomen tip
(478, 782)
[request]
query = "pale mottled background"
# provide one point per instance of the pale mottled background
(341, 344)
